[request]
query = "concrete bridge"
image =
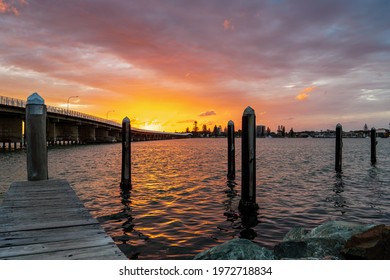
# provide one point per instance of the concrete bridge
(67, 127)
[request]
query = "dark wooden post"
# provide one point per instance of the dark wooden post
(37, 167)
(339, 148)
(231, 152)
(126, 153)
(248, 177)
(373, 146)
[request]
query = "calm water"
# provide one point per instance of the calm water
(181, 204)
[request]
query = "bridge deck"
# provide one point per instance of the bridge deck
(46, 220)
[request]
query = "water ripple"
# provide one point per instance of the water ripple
(181, 203)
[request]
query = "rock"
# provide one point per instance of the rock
(324, 248)
(291, 250)
(331, 229)
(337, 230)
(236, 249)
(295, 234)
(332, 240)
(312, 248)
(323, 242)
(373, 244)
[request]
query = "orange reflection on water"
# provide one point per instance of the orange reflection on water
(180, 203)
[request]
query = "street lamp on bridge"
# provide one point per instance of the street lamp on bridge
(108, 113)
(67, 103)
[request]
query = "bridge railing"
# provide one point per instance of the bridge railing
(71, 113)
(14, 102)
(9, 101)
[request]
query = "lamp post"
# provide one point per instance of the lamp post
(67, 103)
(108, 113)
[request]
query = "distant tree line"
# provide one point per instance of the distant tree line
(217, 131)
(281, 132)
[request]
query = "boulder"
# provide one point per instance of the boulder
(332, 240)
(373, 244)
(312, 248)
(291, 250)
(323, 242)
(296, 234)
(236, 249)
(330, 229)
(338, 230)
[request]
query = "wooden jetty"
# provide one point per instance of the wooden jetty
(45, 220)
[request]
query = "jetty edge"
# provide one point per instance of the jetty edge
(45, 220)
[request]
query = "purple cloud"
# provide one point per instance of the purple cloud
(207, 113)
(241, 53)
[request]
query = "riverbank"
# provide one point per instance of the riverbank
(333, 240)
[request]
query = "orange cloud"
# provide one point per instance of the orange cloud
(227, 25)
(3, 7)
(9, 7)
(304, 94)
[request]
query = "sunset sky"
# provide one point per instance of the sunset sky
(164, 64)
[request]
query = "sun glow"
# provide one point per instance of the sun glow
(152, 126)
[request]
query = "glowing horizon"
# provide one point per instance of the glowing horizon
(306, 65)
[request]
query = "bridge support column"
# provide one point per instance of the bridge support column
(102, 135)
(87, 134)
(10, 131)
(69, 133)
(51, 133)
(115, 135)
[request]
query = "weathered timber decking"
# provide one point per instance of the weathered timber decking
(46, 220)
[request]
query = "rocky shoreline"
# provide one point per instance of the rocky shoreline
(333, 240)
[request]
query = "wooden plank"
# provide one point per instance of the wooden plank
(26, 223)
(46, 220)
(39, 196)
(107, 252)
(48, 235)
(69, 213)
(40, 203)
(31, 186)
(58, 183)
(62, 245)
(16, 213)
(48, 225)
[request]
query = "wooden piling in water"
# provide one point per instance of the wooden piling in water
(248, 177)
(126, 153)
(37, 163)
(231, 152)
(373, 146)
(339, 148)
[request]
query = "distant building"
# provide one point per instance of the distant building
(260, 131)
(382, 132)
